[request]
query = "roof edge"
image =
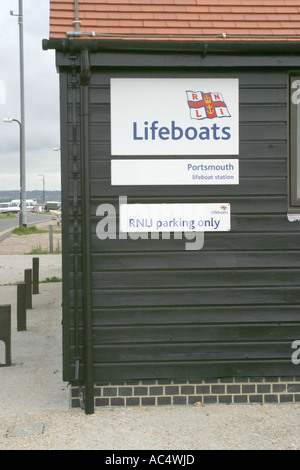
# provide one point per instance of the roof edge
(230, 47)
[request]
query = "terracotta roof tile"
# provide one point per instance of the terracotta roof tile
(183, 19)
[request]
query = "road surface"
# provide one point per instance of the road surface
(7, 224)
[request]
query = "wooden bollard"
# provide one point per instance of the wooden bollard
(5, 335)
(51, 238)
(35, 275)
(28, 281)
(21, 306)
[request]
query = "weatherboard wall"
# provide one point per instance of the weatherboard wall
(159, 311)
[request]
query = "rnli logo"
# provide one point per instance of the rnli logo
(206, 105)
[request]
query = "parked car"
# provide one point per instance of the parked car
(30, 204)
(3, 207)
(8, 207)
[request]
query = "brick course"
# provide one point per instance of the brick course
(192, 392)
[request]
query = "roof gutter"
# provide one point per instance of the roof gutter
(216, 46)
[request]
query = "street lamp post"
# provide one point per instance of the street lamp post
(43, 176)
(23, 214)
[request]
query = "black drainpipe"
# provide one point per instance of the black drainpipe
(76, 244)
(86, 233)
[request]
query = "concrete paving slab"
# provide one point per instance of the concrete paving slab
(12, 267)
(33, 383)
(25, 429)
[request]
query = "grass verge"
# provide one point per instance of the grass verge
(50, 279)
(27, 230)
(7, 216)
(40, 251)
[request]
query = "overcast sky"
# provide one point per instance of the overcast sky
(41, 98)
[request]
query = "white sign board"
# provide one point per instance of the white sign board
(168, 172)
(174, 116)
(174, 217)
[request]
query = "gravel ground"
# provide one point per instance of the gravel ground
(19, 245)
(213, 427)
(33, 396)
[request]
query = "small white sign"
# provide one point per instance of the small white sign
(163, 116)
(176, 172)
(175, 217)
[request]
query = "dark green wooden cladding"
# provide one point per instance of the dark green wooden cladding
(159, 311)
